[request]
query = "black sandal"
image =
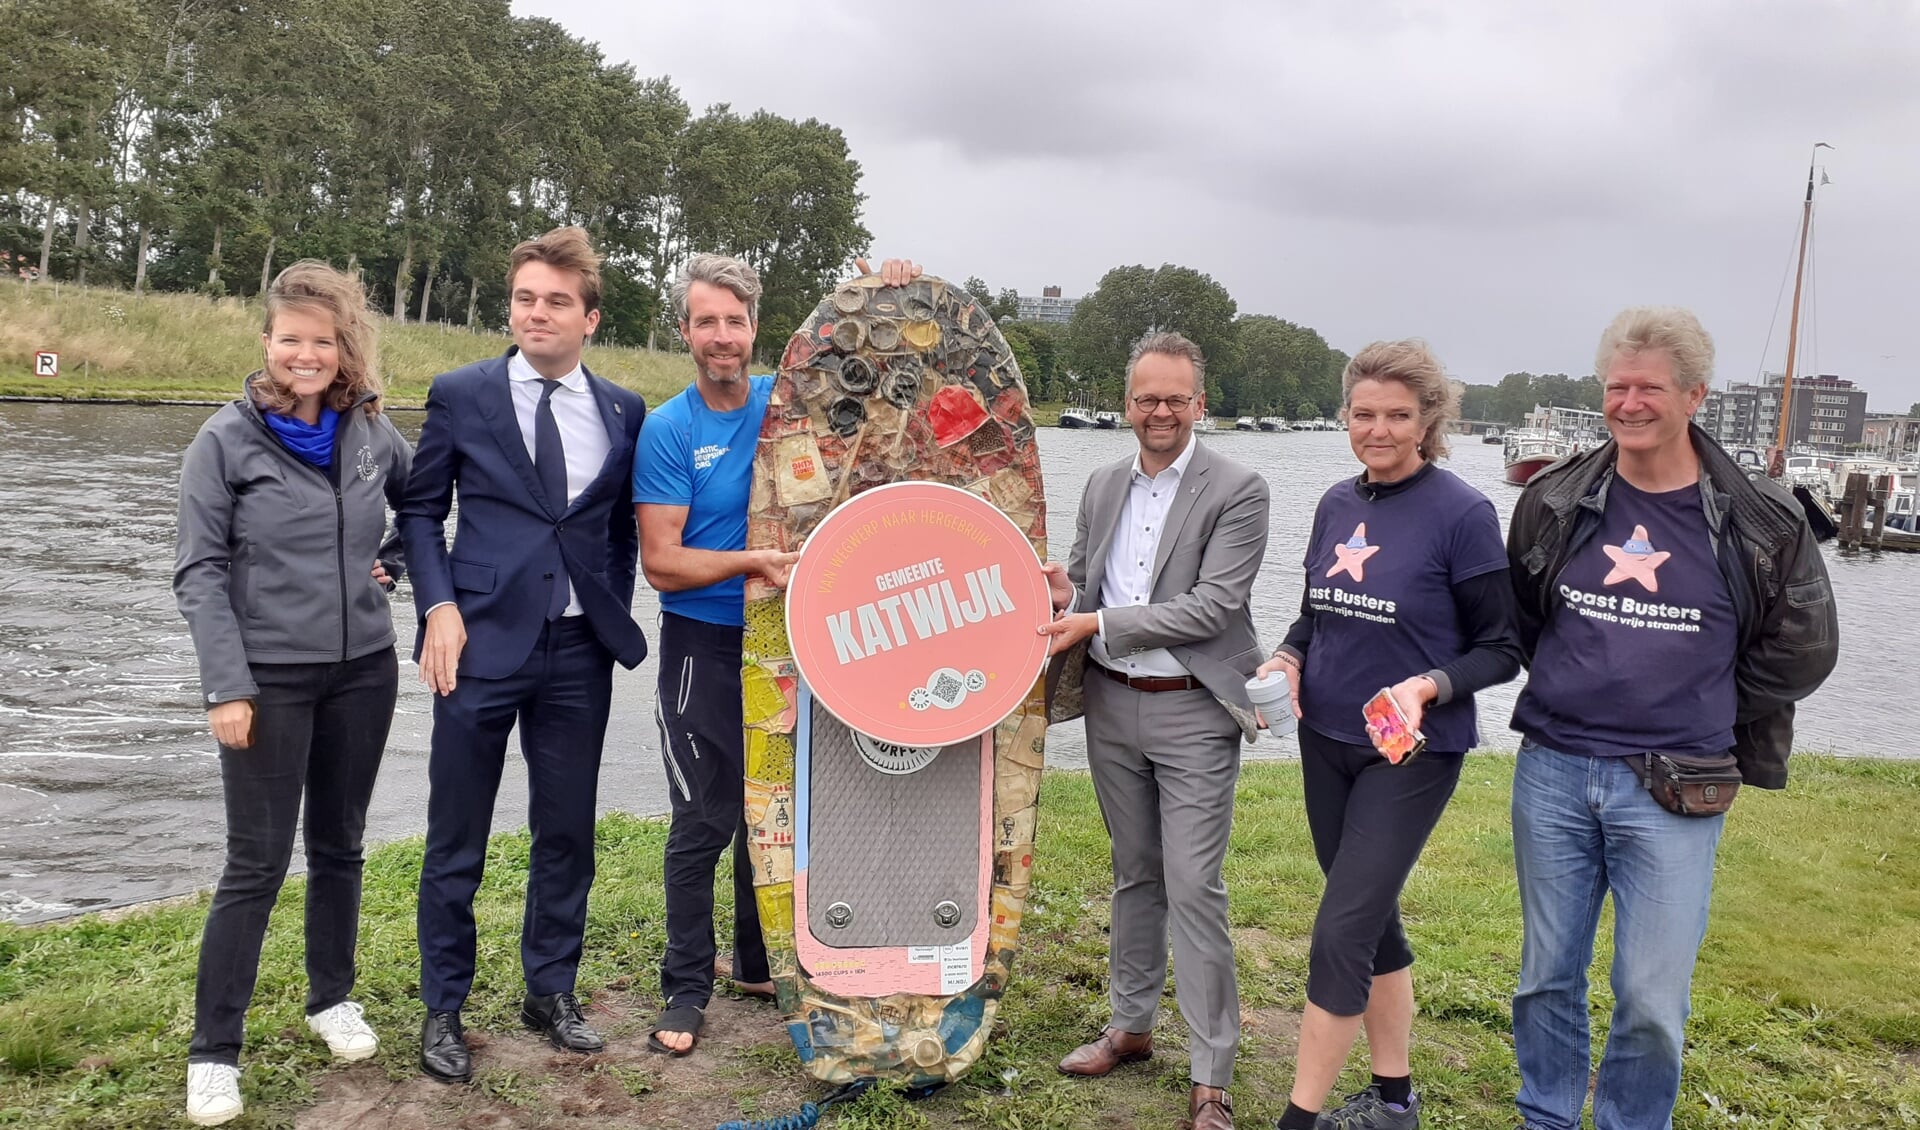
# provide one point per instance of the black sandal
(686, 1018)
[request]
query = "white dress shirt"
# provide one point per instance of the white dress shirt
(583, 434)
(1129, 575)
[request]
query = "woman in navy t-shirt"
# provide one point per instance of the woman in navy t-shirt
(1406, 588)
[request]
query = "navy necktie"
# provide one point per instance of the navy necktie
(550, 464)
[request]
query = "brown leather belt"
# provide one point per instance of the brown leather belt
(1149, 682)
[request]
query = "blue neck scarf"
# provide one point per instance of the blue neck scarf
(312, 442)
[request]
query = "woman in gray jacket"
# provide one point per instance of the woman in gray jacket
(282, 569)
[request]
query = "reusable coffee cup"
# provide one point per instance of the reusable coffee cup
(1275, 701)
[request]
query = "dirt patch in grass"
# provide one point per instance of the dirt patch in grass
(744, 1067)
(1261, 952)
(1277, 1029)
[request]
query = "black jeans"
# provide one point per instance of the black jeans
(705, 750)
(319, 730)
(1370, 819)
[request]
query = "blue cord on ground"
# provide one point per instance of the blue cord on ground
(808, 1114)
(804, 1120)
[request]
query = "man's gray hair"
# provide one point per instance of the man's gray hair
(1672, 330)
(1167, 343)
(722, 271)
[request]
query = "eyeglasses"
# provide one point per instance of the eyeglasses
(1148, 405)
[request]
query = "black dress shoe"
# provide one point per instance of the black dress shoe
(443, 1048)
(558, 1016)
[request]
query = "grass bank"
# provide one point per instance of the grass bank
(1806, 1004)
(114, 345)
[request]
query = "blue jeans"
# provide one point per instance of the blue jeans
(1584, 826)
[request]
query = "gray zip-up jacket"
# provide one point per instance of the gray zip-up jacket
(274, 562)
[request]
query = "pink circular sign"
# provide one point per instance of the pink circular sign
(913, 613)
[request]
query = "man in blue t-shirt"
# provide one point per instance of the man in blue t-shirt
(692, 475)
(1669, 604)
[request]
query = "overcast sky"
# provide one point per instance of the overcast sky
(1497, 176)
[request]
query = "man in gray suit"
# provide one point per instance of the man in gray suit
(1153, 643)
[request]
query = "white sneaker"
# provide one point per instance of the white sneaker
(213, 1093)
(345, 1030)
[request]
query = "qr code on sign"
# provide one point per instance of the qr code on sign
(947, 688)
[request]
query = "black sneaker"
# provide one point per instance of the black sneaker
(1365, 1110)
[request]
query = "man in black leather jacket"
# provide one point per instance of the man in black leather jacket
(1789, 628)
(1670, 602)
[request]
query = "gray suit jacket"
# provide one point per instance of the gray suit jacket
(1212, 547)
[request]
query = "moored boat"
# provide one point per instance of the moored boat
(1106, 419)
(1898, 483)
(1246, 424)
(1272, 424)
(1528, 452)
(1076, 417)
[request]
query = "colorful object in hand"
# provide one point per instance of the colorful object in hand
(1387, 726)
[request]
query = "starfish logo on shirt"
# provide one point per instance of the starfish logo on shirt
(1351, 558)
(1636, 560)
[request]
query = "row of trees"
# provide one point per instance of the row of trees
(197, 144)
(1257, 364)
(1517, 393)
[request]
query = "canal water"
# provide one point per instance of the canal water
(109, 784)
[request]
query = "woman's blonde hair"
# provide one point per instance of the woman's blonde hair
(1412, 364)
(316, 288)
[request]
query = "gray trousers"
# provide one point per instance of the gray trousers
(1164, 766)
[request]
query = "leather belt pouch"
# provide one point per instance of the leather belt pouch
(1690, 784)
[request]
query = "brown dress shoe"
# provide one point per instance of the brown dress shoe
(1109, 1049)
(1209, 1108)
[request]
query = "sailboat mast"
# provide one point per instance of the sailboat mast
(1793, 322)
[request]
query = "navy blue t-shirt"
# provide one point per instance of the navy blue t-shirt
(1380, 577)
(1637, 652)
(689, 455)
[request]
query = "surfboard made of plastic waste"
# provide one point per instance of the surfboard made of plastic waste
(893, 692)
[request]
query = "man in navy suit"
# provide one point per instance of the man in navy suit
(522, 619)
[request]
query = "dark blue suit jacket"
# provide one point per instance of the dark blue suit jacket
(511, 539)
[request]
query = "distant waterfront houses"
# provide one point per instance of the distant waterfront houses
(1891, 434)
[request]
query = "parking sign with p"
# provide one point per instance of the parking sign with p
(46, 364)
